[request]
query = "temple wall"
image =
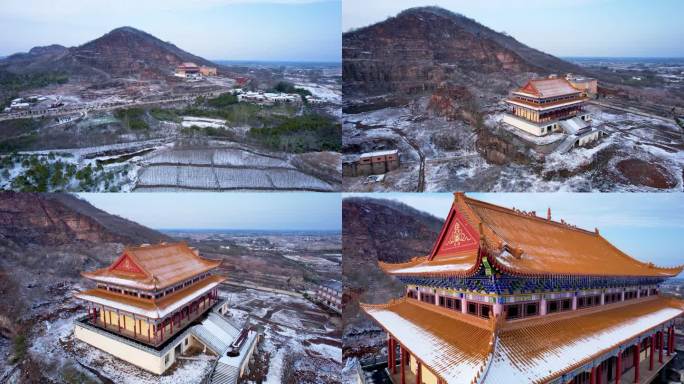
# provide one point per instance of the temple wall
(427, 377)
(249, 352)
(521, 124)
(588, 138)
(135, 356)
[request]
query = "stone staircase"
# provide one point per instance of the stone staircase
(224, 374)
(216, 333)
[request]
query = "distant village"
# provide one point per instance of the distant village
(189, 72)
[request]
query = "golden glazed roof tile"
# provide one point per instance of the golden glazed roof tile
(521, 243)
(542, 349)
(154, 266)
(453, 349)
(459, 348)
(150, 307)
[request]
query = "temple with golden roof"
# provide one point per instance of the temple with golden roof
(506, 296)
(154, 302)
(547, 105)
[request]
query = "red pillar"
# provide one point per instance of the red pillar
(670, 333)
(651, 353)
(618, 367)
(592, 376)
(599, 373)
(637, 351)
(394, 356)
(419, 373)
(674, 339)
(660, 347)
(401, 366)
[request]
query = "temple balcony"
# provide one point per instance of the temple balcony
(181, 322)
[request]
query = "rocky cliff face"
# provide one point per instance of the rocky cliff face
(372, 230)
(46, 240)
(122, 52)
(421, 47)
(54, 219)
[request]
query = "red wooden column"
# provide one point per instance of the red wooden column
(592, 376)
(401, 366)
(637, 351)
(618, 367)
(419, 373)
(670, 334)
(651, 353)
(394, 355)
(660, 347)
(599, 372)
(674, 339)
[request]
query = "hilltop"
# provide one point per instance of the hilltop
(421, 47)
(122, 52)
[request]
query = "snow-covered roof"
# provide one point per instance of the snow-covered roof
(546, 348)
(544, 88)
(380, 153)
(548, 106)
(153, 309)
(453, 349)
(154, 266)
(459, 350)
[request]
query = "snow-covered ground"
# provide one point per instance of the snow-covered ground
(654, 142)
(295, 331)
(203, 122)
(328, 93)
(55, 346)
(224, 169)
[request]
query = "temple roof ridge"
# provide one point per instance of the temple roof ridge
(155, 266)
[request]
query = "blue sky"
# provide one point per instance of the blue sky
(633, 28)
(281, 30)
(236, 210)
(647, 226)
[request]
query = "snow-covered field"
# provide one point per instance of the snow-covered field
(298, 335)
(224, 169)
(324, 92)
(219, 178)
(203, 122)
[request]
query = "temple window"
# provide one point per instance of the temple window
(427, 298)
(531, 309)
(552, 306)
(513, 311)
(472, 308)
(566, 305)
(485, 310)
(412, 294)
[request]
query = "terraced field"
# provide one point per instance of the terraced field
(223, 169)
